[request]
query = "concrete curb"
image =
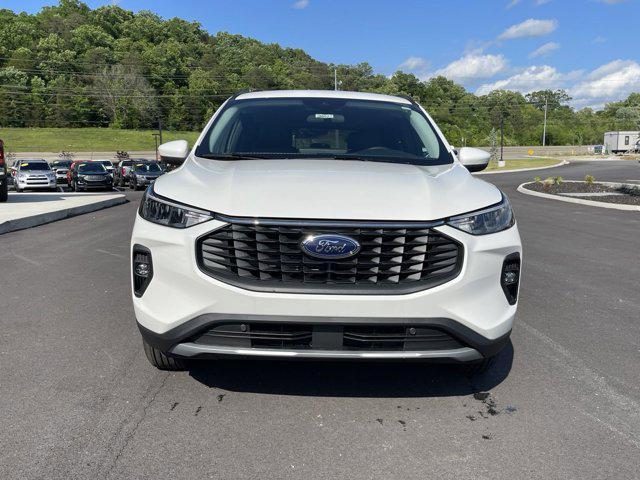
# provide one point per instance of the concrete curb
(515, 170)
(593, 203)
(42, 218)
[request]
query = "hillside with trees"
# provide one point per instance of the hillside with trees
(71, 66)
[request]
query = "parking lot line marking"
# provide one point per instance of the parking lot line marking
(112, 254)
(28, 260)
(579, 371)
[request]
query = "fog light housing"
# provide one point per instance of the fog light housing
(142, 269)
(510, 277)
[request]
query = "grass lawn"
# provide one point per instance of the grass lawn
(84, 139)
(524, 163)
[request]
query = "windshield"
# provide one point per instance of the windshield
(324, 128)
(91, 167)
(61, 164)
(106, 163)
(34, 166)
(147, 168)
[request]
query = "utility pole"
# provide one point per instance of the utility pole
(335, 79)
(544, 128)
(501, 161)
(160, 128)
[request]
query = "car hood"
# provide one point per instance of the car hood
(326, 189)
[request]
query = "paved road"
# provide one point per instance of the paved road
(79, 400)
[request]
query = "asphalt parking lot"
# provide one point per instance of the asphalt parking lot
(79, 399)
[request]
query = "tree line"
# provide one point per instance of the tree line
(72, 66)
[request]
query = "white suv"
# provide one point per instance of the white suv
(322, 224)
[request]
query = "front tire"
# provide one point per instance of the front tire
(162, 361)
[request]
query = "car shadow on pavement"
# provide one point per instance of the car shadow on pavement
(349, 379)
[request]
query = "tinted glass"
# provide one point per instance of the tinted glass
(324, 128)
(147, 168)
(91, 167)
(61, 163)
(34, 166)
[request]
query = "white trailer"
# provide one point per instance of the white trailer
(620, 142)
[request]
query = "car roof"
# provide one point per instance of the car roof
(32, 160)
(323, 94)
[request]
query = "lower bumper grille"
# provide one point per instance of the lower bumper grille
(284, 336)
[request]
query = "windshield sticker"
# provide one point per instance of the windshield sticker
(324, 115)
(24, 164)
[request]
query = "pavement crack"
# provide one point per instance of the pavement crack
(129, 436)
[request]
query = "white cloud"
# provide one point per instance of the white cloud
(512, 4)
(598, 39)
(529, 28)
(414, 63)
(544, 50)
(610, 82)
(300, 4)
(613, 81)
(541, 2)
(611, 2)
(474, 66)
(530, 79)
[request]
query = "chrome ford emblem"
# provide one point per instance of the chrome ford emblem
(332, 247)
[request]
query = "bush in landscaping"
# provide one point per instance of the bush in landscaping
(537, 179)
(589, 179)
(558, 180)
(548, 183)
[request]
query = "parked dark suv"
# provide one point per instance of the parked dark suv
(144, 174)
(90, 175)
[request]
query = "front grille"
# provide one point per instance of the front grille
(285, 336)
(267, 256)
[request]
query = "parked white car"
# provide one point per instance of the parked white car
(322, 224)
(34, 174)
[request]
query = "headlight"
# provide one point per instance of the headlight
(165, 212)
(489, 220)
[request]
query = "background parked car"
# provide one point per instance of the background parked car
(143, 174)
(121, 173)
(4, 176)
(90, 175)
(60, 168)
(108, 164)
(35, 174)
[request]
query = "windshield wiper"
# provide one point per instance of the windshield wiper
(230, 156)
(351, 157)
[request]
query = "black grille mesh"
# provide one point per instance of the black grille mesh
(269, 257)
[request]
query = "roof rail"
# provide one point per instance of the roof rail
(406, 97)
(241, 92)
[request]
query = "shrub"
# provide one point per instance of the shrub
(537, 179)
(558, 180)
(589, 179)
(548, 183)
(66, 155)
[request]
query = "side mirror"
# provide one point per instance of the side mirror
(474, 159)
(174, 152)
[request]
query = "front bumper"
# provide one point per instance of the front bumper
(33, 185)
(181, 301)
(98, 185)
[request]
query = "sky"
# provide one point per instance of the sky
(588, 47)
